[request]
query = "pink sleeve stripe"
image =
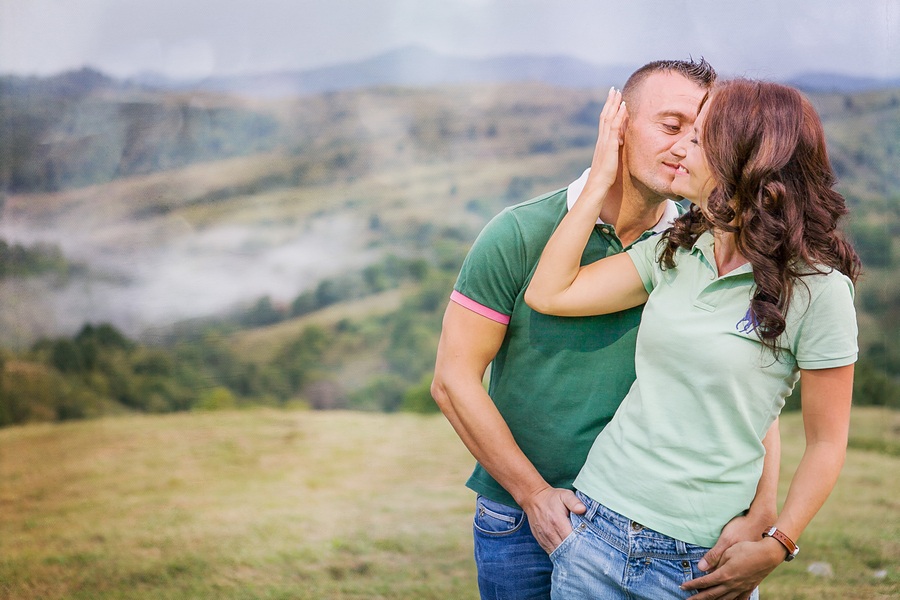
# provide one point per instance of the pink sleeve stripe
(481, 309)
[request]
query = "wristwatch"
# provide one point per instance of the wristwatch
(789, 545)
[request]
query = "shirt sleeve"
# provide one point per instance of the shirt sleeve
(645, 256)
(827, 334)
(492, 276)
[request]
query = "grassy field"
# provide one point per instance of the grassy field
(269, 504)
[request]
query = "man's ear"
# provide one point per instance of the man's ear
(622, 129)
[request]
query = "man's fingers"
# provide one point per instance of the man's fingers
(549, 517)
(548, 539)
(573, 504)
(552, 538)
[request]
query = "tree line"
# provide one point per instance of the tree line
(100, 371)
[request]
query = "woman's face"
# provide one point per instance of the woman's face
(693, 178)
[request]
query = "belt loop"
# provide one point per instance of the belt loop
(680, 547)
(592, 506)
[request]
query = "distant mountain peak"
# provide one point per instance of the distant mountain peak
(409, 51)
(68, 84)
(821, 81)
(413, 65)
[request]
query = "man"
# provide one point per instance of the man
(556, 382)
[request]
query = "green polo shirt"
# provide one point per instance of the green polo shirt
(683, 454)
(557, 381)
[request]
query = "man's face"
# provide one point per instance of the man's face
(662, 108)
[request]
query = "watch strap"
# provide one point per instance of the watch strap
(789, 545)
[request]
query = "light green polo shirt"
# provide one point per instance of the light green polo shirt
(683, 454)
(557, 381)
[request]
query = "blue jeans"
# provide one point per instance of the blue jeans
(511, 564)
(609, 556)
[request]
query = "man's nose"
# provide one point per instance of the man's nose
(678, 150)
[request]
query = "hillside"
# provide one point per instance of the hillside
(340, 225)
(361, 172)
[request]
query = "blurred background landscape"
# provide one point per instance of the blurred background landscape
(228, 234)
(293, 238)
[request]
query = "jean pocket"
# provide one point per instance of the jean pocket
(493, 518)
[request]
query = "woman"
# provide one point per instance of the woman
(750, 290)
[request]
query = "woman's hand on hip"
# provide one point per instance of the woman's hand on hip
(740, 571)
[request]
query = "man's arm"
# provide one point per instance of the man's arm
(468, 344)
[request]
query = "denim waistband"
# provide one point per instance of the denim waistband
(632, 537)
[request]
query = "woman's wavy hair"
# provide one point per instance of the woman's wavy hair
(766, 151)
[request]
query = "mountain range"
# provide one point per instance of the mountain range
(415, 66)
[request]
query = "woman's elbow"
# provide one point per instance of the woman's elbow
(537, 302)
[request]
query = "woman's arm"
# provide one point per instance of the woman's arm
(825, 399)
(560, 286)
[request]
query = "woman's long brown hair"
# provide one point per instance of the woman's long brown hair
(766, 150)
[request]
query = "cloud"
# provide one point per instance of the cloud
(198, 37)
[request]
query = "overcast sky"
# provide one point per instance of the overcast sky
(196, 38)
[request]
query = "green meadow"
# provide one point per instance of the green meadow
(266, 503)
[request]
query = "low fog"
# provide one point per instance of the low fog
(145, 281)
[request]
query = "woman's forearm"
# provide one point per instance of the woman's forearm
(811, 485)
(826, 395)
(560, 261)
(560, 286)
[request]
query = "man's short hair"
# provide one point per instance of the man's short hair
(699, 72)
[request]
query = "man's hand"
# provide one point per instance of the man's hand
(740, 570)
(548, 515)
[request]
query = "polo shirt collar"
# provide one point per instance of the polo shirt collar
(574, 190)
(706, 246)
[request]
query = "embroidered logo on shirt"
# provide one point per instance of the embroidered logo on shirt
(747, 324)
